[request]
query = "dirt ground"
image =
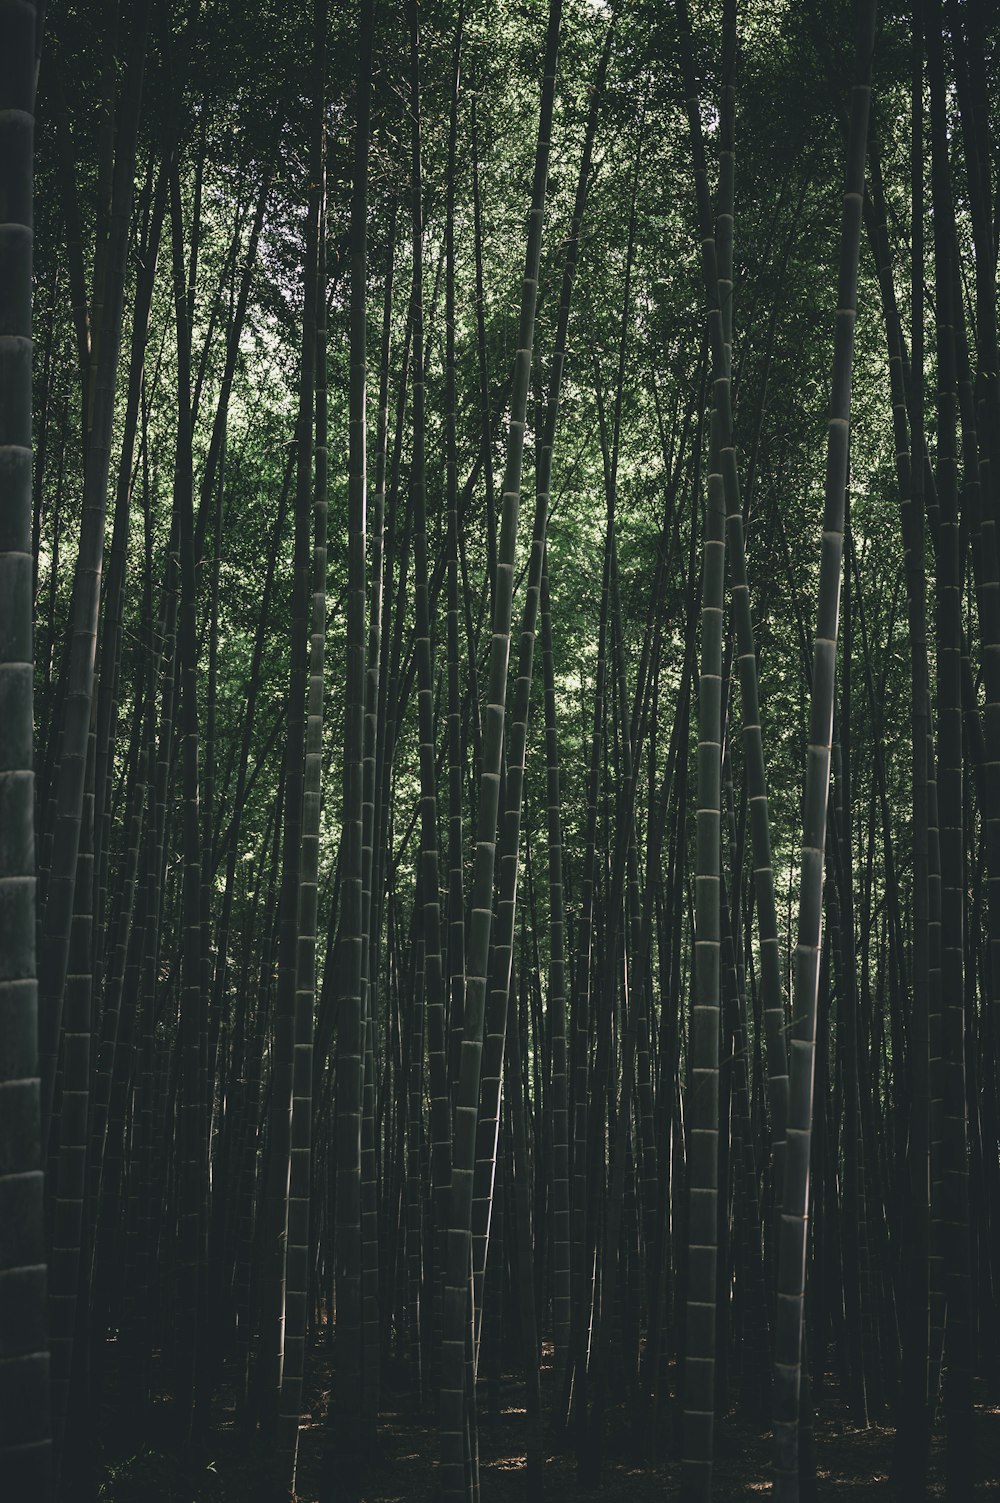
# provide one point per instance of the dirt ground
(852, 1464)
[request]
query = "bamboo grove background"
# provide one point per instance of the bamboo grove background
(501, 873)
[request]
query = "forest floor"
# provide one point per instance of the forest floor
(852, 1464)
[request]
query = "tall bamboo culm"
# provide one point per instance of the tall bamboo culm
(297, 1270)
(347, 1443)
(788, 1339)
(25, 1449)
(458, 1481)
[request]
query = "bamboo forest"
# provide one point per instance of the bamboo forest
(499, 751)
